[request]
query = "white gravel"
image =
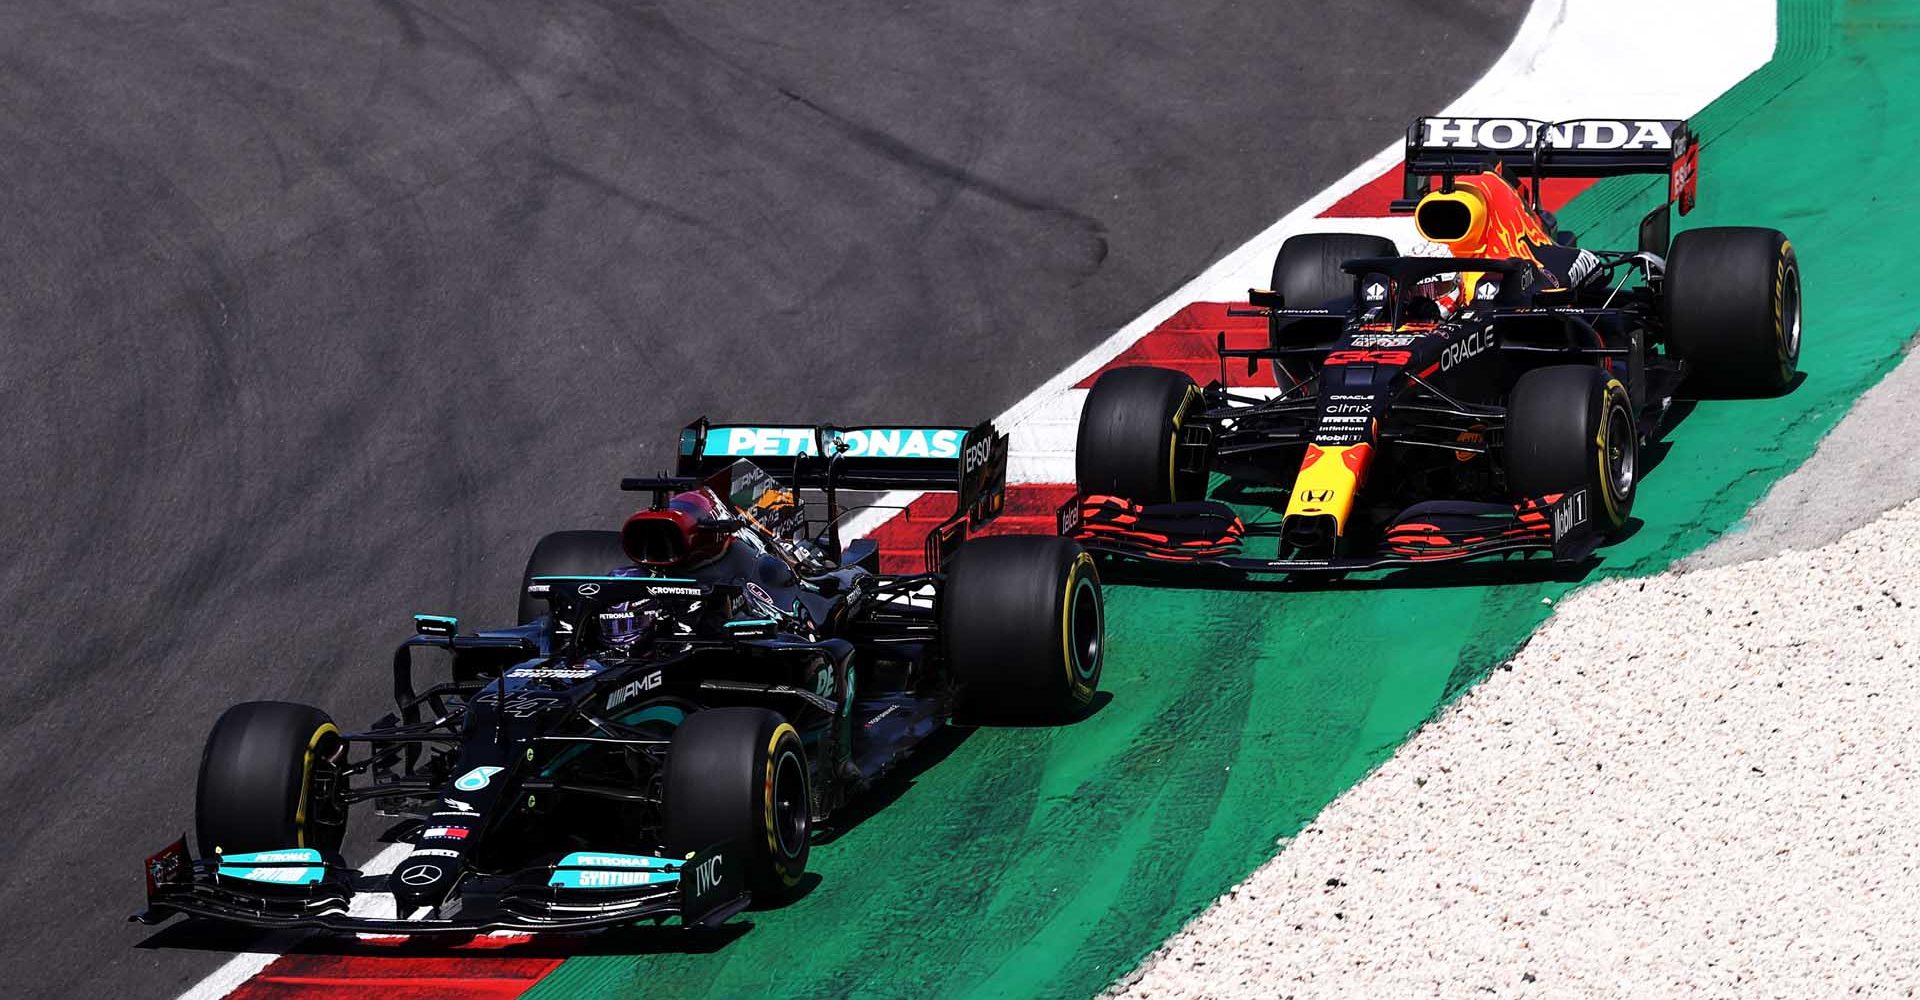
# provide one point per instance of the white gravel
(1699, 784)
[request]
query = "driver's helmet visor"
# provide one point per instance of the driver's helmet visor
(1443, 290)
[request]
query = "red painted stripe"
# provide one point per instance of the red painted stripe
(1187, 340)
(1370, 201)
(394, 977)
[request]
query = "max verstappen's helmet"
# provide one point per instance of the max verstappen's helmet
(684, 533)
(1435, 297)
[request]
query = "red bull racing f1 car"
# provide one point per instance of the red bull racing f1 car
(1491, 401)
(682, 701)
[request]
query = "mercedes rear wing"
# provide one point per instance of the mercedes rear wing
(970, 462)
(1525, 147)
(862, 458)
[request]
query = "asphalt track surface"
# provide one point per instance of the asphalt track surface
(318, 314)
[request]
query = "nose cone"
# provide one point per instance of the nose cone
(425, 877)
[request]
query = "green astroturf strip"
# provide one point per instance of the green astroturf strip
(1036, 862)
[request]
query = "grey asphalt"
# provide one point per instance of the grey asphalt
(317, 313)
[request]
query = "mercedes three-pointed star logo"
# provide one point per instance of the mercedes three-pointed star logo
(420, 875)
(588, 589)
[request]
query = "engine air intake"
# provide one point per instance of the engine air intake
(1452, 217)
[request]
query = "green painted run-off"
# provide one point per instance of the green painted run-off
(1046, 863)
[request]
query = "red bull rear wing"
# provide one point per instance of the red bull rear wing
(1527, 148)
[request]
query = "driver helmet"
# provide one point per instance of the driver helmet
(682, 535)
(1443, 290)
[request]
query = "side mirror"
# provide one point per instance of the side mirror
(440, 626)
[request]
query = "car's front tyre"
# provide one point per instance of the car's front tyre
(739, 776)
(269, 779)
(1571, 427)
(1129, 437)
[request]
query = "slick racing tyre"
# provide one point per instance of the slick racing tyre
(1571, 427)
(1024, 628)
(1129, 432)
(738, 776)
(269, 779)
(1733, 309)
(569, 553)
(1307, 271)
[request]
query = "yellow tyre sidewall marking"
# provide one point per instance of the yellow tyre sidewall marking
(773, 842)
(1173, 443)
(1780, 262)
(306, 783)
(1614, 393)
(1082, 690)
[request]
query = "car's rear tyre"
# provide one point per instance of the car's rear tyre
(1571, 427)
(569, 553)
(1129, 436)
(739, 776)
(269, 780)
(1306, 271)
(1023, 624)
(1733, 309)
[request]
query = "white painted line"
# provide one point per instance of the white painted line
(240, 968)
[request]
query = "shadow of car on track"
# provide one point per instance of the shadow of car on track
(1484, 574)
(211, 935)
(938, 747)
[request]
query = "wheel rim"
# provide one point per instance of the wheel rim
(790, 806)
(1790, 334)
(1085, 624)
(1621, 457)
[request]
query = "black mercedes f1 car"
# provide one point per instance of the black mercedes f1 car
(1491, 401)
(683, 700)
